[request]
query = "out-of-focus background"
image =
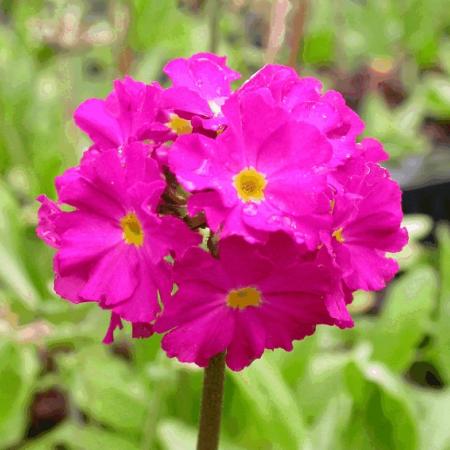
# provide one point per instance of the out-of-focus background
(383, 385)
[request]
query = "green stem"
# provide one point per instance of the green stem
(211, 408)
(214, 12)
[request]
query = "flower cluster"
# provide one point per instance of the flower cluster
(229, 221)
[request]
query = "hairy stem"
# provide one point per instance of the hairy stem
(211, 408)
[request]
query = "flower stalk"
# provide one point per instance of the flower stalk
(211, 407)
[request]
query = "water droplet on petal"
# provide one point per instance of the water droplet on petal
(274, 219)
(188, 185)
(287, 221)
(203, 169)
(250, 209)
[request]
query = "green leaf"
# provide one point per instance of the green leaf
(174, 435)
(294, 364)
(78, 437)
(410, 255)
(273, 403)
(397, 129)
(319, 47)
(423, 21)
(437, 92)
(322, 380)
(441, 338)
(326, 432)
(107, 389)
(444, 53)
(418, 226)
(162, 27)
(383, 416)
(18, 369)
(405, 318)
(13, 272)
(368, 29)
(434, 409)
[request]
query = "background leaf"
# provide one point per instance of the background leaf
(404, 320)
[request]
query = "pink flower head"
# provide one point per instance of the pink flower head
(110, 247)
(284, 85)
(302, 98)
(200, 86)
(252, 298)
(367, 219)
(204, 74)
(262, 174)
(300, 211)
(127, 115)
(371, 150)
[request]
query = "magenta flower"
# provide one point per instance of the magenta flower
(127, 115)
(110, 248)
(300, 213)
(366, 224)
(303, 99)
(262, 174)
(246, 301)
(291, 206)
(200, 86)
(203, 74)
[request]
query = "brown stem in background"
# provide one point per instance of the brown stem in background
(298, 30)
(278, 15)
(211, 408)
(121, 21)
(125, 60)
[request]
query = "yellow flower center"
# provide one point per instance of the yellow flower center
(133, 233)
(250, 184)
(220, 129)
(338, 235)
(244, 297)
(179, 125)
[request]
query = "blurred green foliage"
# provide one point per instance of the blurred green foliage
(382, 385)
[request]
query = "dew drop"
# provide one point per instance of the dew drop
(250, 209)
(188, 185)
(203, 169)
(274, 219)
(287, 221)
